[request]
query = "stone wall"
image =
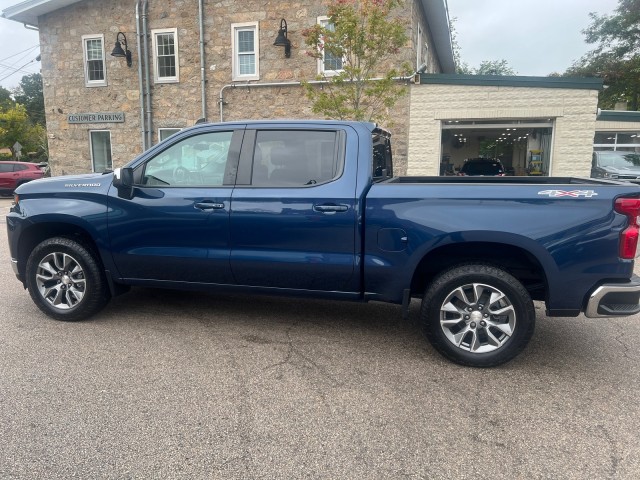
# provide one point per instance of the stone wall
(178, 105)
(573, 112)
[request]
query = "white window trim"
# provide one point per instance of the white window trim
(85, 62)
(93, 165)
(168, 128)
(156, 77)
(321, 70)
(235, 75)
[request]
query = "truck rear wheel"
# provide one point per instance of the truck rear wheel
(65, 280)
(477, 315)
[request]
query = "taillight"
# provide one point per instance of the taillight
(629, 236)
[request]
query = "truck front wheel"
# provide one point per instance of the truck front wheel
(477, 315)
(65, 280)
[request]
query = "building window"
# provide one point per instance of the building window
(329, 64)
(246, 61)
(94, 65)
(625, 141)
(164, 133)
(165, 55)
(100, 150)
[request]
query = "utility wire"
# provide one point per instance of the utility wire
(16, 70)
(16, 54)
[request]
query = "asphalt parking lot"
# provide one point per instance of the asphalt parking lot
(166, 384)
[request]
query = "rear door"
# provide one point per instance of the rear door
(7, 176)
(293, 220)
(176, 226)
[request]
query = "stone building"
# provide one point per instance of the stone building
(189, 60)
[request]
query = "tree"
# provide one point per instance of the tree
(616, 58)
(365, 38)
(16, 127)
(29, 93)
(5, 98)
(494, 67)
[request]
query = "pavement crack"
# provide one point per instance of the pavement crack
(305, 362)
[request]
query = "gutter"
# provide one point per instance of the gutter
(147, 88)
(143, 122)
(222, 103)
(203, 78)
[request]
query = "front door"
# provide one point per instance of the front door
(176, 226)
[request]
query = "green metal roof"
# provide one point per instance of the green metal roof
(618, 116)
(511, 81)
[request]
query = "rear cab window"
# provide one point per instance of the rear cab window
(382, 159)
(292, 158)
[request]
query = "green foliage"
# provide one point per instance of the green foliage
(616, 58)
(16, 127)
(5, 98)
(29, 93)
(494, 67)
(368, 39)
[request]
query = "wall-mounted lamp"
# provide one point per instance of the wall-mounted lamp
(282, 40)
(118, 51)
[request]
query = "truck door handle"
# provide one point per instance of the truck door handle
(330, 208)
(209, 206)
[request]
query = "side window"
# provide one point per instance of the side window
(100, 150)
(6, 167)
(165, 55)
(200, 160)
(246, 55)
(329, 64)
(94, 65)
(19, 168)
(295, 158)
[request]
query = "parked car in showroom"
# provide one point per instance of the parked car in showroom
(616, 165)
(485, 167)
(14, 174)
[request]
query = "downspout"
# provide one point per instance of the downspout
(203, 79)
(147, 88)
(143, 122)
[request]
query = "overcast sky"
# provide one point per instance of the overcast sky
(536, 37)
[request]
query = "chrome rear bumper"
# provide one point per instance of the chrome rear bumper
(615, 300)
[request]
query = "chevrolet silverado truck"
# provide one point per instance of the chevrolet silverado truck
(312, 208)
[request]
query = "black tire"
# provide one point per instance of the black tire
(65, 280)
(467, 320)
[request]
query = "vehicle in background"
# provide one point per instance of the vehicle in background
(14, 174)
(482, 167)
(616, 165)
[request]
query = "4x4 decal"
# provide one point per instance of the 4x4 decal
(568, 193)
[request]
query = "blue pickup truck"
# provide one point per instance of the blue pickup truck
(312, 208)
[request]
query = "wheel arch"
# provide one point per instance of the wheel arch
(38, 232)
(516, 260)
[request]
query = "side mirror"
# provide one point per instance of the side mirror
(123, 181)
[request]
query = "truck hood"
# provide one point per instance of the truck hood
(623, 170)
(92, 182)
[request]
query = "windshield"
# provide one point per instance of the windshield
(619, 159)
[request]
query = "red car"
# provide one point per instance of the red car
(13, 174)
